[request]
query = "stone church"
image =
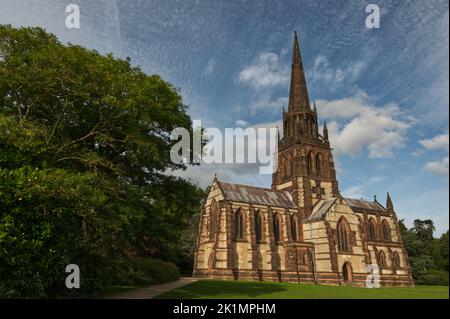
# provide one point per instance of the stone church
(302, 230)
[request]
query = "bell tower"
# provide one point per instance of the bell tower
(305, 161)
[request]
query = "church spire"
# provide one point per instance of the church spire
(389, 204)
(325, 131)
(298, 95)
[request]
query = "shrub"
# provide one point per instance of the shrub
(433, 277)
(143, 271)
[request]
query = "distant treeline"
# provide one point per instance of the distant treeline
(428, 256)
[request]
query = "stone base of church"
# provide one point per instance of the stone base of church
(333, 279)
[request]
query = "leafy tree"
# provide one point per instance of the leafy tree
(84, 146)
(428, 256)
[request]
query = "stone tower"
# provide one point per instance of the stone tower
(305, 161)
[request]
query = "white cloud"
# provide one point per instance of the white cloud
(438, 167)
(265, 72)
(439, 142)
(436, 143)
(356, 125)
(241, 123)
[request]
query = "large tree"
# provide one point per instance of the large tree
(84, 146)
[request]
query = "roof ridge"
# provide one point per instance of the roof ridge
(244, 185)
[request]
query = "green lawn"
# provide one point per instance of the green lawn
(210, 289)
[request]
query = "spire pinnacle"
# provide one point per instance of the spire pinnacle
(315, 107)
(325, 131)
(389, 204)
(298, 95)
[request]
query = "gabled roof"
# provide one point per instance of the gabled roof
(321, 208)
(257, 195)
(359, 205)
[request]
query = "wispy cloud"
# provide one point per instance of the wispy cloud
(266, 71)
(332, 78)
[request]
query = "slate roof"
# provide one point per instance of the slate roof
(360, 205)
(357, 205)
(257, 195)
(321, 208)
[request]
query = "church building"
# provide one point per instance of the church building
(302, 230)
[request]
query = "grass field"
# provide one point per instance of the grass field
(215, 289)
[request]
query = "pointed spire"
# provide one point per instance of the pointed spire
(389, 204)
(298, 95)
(315, 107)
(325, 131)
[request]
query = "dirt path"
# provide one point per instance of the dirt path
(152, 291)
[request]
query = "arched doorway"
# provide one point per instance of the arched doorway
(211, 262)
(347, 273)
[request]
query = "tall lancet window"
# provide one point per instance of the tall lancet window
(319, 164)
(344, 234)
(258, 226)
(385, 230)
(239, 224)
(372, 230)
(294, 228)
(276, 228)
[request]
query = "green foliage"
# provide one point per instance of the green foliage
(428, 256)
(433, 277)
(143, 271)
(84, 146)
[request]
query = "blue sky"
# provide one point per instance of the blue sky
(383, 92)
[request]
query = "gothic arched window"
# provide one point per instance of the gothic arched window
(372, 230)
(213, 216)
(385, 230)
(276, 228)
(310, 163)
(289, 165)
(396, 260)
(319, 164)
(294, 228)
(382, 259)
(344, 233)
(258, 226)
(239, 224)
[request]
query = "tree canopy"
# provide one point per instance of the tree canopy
(84, 147)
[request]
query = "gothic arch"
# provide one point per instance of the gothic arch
(239, 224)
(277, 223)
(347, 273)
(259, 226)
(289, 165)
(382, 259)
(385, 230)
(310, 163)
(372, 230)
(294, 228)
(211, 262)
(213, 219)
(396, 260)
(319, 164)
(344, 235)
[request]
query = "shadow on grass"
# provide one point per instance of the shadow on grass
(227, 289)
